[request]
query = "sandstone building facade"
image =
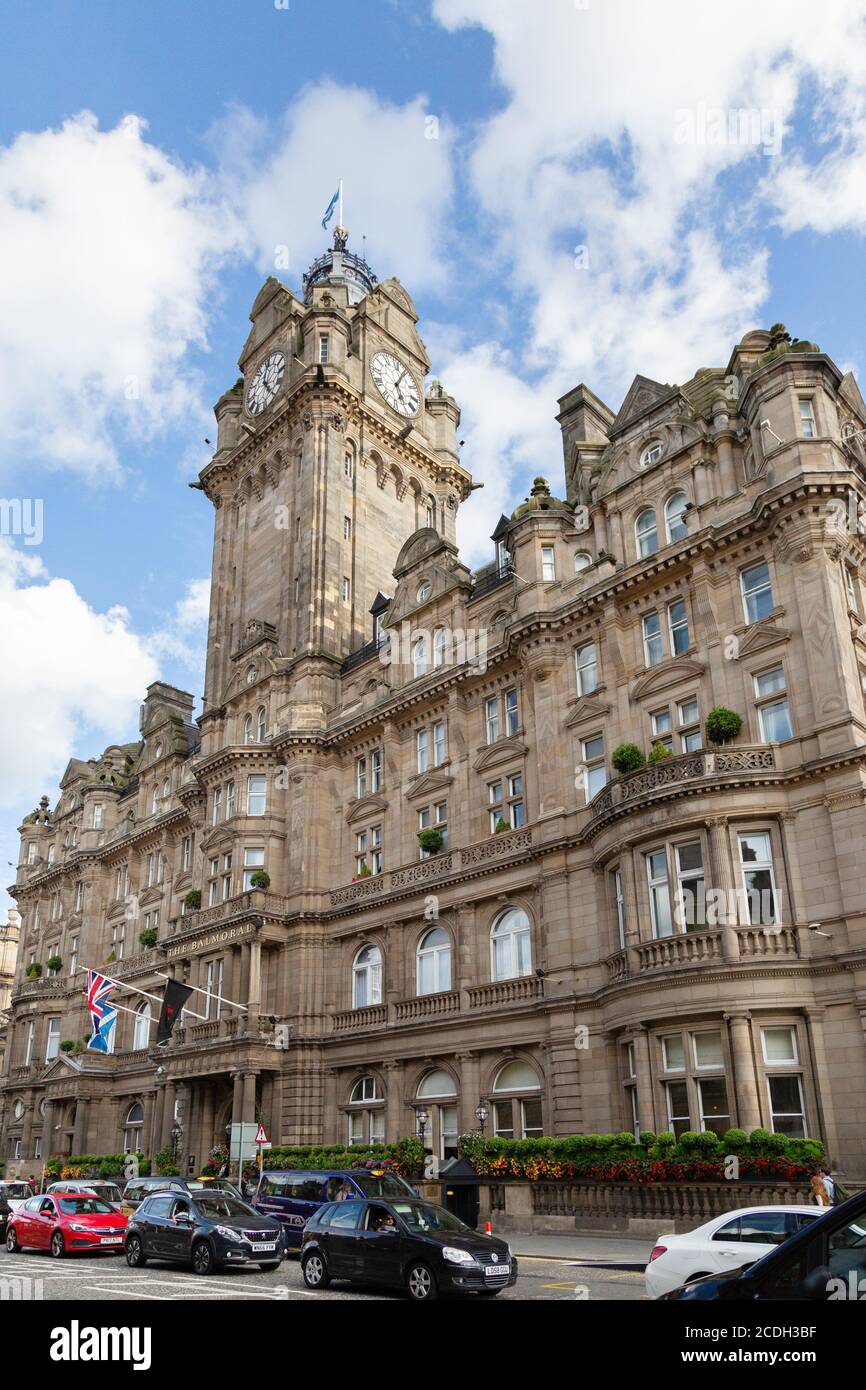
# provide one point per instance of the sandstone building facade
(549, 948)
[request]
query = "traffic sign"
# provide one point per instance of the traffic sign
(261, 1137)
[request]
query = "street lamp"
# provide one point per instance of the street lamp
(176, 1133)
(422, 1118)
(481, 1113)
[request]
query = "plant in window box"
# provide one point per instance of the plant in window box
(627, 757)
(430, 840)
(34, 970)
(111, 958)
(723, 725)
(54, 963)
(260, 879)
(363, 872)
(500, 826)
(148, 937)
(192, 901)
(658, 753)
(68, 1045)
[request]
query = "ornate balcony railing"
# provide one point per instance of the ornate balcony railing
(352, 1019)
(753, 762)
(686, 948)
(424, 871)
(427, 1006)
(257, 900)
(505, 992)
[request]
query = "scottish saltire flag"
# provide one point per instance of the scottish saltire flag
(102, 1016)
(329, 210)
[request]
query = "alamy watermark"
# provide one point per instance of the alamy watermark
(22, 516)
(716, 125)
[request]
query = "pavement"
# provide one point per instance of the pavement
(582, 1245)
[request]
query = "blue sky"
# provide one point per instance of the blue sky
(155, 158)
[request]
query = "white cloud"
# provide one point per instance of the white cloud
(182, 640)
(109, 250)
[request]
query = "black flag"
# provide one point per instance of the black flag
(173, 1001)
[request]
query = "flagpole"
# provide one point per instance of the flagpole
(121, 984)
(342, 223)
(211, 994)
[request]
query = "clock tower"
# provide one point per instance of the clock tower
(332, 450)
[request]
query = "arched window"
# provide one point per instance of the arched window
(248, 729)
(261, 725)
(511, 945)
(166, 789)
(367, 978)
(440, 639)
(367, 1112)
(646, 533)
(434, 961)
(517, 1102)
(154, 799)
(586, 663)
(652, 453)
(231, 795)
(675, 517)
(430, 510)
(419, 656)
(582, 561)
(141, 1030)
(436, 1099)
(133, 1129)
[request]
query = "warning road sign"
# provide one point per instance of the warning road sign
(261, 1137)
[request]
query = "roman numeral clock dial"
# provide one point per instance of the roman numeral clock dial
(265, 383)
(395, 383)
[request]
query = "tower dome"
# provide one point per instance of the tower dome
(338, 266)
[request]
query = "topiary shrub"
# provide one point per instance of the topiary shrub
(34, 970)
(664, 1145)
(735, 1141)
(192, 901)
(647, 1138)
(68, 1045)
(658, 753)
(260, 879)
(148, 937)
(703, 1142)
(722, 725)
(430, 840)
(54, 963)
(627, 757)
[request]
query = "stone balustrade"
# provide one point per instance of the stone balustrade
(434, 869)
(427, 1006)
(505, 992)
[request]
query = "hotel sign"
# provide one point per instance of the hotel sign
(222, 936)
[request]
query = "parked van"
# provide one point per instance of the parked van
(108, 1191)
(296, 1194)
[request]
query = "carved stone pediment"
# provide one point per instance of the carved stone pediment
(586, 708)
(217, 839)
(760, 635)
(364, 806)
(428, 784)
(503, 751)
(666, 674)
(150, 895)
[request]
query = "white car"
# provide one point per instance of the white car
(16, 1193)
(737, 1238)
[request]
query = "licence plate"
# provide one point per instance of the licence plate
(111, 1240)
(490, 1270)
(265, 1247)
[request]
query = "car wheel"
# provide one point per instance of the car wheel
(135, 1256)
(12, 1241)
(315, 1272)
(202, 1258)
(269, 1267)
(58, 1249)
(420, 1284)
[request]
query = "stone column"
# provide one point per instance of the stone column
(394, 1100)
(599, 523)
(27, 1131)
(725, 452)
(744, 1081)
(644, 1084)
(48, 1131)
(206, 1120)
(254, 996)
(723, 879)
(79, 1132)
(822, 1085)
(470, 1090)
(153, 1138)
(237, 1097)
(167, 1115)
(249, 1097)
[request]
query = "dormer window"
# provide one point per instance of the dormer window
(651, 453)
(425, 589)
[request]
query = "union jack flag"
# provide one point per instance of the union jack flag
(102, 1016)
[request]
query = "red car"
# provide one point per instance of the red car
(66, 1223)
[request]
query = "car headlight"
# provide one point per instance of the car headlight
(75, 1226)
(457, 1257)
(228, 1233)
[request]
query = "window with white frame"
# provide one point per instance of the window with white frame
(368, 851)
(430, 513)
(52, 1043)
(347, 588)
(757, 592)
(213, 881)
(96, 821)
(512, 714)
(787, 1110)
(133, 1129)
(586, 666)
(368, 773)
(257, 794)
(154, 799)
(678, 626)
(248, 729)
(348, 464)
(807, 418)
(186, 851)
(216, 805)
(79, 896)
(439, 750)
(548, 563)
(422, 750)
(261, 724)
(677, 1101)
(434, 818)
(151, 920)
(582, 561)
(619, 905)
(653, 648)
(141, 1029)
(660, 728)
(28, 1046)
(779, 1046)
(31, 852)
(673, 1052)
(367, 978)
(227, 876)
(505, 802)
(213, 983)
(231, 796)
(652, 453)
(324, 348)
(690, 891)
(254, 859)
(511, 945)
(516, 1115)
(771, 700)
(440, 647)
(433, 962)
(118, 940)
(491, 719)
(689, 722)
(659, 893)
(419, 656)
(593, 760)
(675, 517)
(347, 528)
(646, 533)
(73, 955)
(366, 1125)
(52, 850)
(759, 883)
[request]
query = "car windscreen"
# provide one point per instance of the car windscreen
(108, 1191)
(218, 1205)
(382, 1185)
(84, 1206)
(421, 1217)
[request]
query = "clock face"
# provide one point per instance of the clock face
(265, 383)
(395, 383)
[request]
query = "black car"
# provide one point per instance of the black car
(5, 1213)
(412, 1245)
(209, 1230)
(138, 1188)
(825, 1261)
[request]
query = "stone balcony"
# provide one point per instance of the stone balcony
(703, 947)
(747, 764)
(425, 1007)
(433, 870)
(256, 900)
